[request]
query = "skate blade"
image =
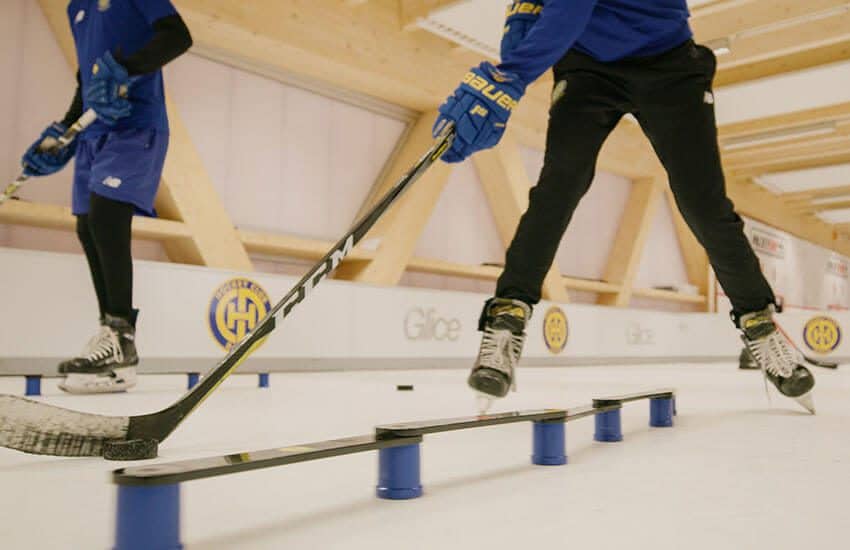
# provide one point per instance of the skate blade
(807, 402)
(88, 384)
(483, 402)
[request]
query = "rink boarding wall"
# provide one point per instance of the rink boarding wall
(189, 313)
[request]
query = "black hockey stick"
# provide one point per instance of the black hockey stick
(82, 123)
(38, 428)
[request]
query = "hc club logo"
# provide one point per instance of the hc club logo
(556, 331)
(822, 334)
(235, 309)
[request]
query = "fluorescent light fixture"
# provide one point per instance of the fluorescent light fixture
(778, 136)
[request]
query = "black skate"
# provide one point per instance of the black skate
(94, 341)
(780, 361)
(110, 365)
(746, 361)
(503, 324)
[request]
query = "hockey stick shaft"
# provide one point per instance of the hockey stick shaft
(70, 135)
(159, 425)
(39, 428)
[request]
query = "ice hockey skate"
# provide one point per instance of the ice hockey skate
(103, 332)
(109, 363)
(503, 326)
(780, 361)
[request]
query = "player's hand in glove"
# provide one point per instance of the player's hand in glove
(108, 90)
(522, 15)
(480, 109)
(45, 156)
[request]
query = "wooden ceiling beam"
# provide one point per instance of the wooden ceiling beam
(725, 18)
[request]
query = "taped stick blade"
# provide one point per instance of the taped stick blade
(38, 428)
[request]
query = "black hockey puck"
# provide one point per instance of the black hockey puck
(404, 387)
(132, 449)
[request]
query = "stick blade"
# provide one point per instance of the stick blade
(38, 428)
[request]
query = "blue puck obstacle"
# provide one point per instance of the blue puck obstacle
(150, 495)
(264, 380)
(33, 387)
(608, 425)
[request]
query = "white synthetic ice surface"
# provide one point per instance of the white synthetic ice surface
(733, 473)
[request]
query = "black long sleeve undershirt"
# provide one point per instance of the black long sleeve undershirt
(171, 39)
(75, 111)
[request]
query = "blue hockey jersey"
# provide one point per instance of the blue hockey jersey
(607, 30)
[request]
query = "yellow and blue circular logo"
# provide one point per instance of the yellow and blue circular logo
(822, 334)
(556, 331)
(235, 309)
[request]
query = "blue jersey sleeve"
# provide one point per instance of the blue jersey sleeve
(154, 10)
(561, 24)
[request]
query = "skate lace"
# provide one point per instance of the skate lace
(106, 344)
(775, 354)
(496, 346)
(94, 341)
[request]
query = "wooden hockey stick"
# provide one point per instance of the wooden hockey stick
(82, 123)
(38, 428)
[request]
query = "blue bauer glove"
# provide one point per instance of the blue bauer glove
(45, 156)
(480, 109)
(108, 89)
(522, 15)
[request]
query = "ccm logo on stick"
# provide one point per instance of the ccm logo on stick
(421, 325)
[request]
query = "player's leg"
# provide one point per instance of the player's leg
(124, 179)
(676, 110)
(585, 110)
(80, 208)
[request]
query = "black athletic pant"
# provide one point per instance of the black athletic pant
(105, 235)
(670, 95)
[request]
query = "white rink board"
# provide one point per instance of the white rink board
(49, 311)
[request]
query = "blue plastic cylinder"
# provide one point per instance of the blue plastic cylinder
(661, 413)
(193, 380)
(549, 444)
(264, 380)
(148, 518)
(399, 473)
(33, 385)
(608, 426)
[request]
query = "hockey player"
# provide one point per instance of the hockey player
(610, 58)
(121, 47)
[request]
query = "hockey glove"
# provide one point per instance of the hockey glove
(480, 109)
(45, 156)
(108, 89)
(522, 15)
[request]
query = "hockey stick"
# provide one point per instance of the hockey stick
(82, 123)
(39, 428)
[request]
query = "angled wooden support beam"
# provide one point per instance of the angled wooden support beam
(629, 243)
(756, 202)
(187, 194)
(398, 232)
(506, 185)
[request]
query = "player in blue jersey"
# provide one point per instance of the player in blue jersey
(122, 46)
(610, 58)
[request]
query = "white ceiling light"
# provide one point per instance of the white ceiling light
(806, 180)
(778, 136)
(835, 216)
